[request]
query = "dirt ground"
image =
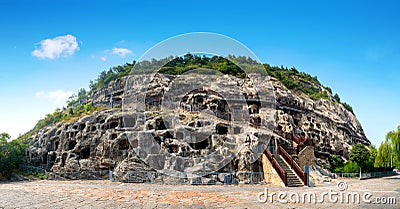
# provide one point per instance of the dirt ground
(107, 194)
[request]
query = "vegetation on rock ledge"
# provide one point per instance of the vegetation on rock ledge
(293, 79)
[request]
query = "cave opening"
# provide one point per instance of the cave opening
(85, 153)
(113, 124)
(71, 145)
(44, 158)
(160, 124)
(82, 126)
(199, 100)
(123, 144)
(113, 136)
(53, 157)
(158, 139)
(63, 159)
(199, 145)
(56, 144)
(173, 148)
(150, 127)
(222, 129)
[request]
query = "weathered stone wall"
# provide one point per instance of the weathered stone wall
(306, 157)
(331, 127)
(155, 135)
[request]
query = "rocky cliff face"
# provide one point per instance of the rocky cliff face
(191, 123)
(332, 128)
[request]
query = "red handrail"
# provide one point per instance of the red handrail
(296, 139)
(293, 165)
(276, 166)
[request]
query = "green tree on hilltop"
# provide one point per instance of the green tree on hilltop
(337, 98)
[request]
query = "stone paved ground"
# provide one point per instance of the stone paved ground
(106, 194)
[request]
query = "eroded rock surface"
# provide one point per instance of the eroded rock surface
(191, 123)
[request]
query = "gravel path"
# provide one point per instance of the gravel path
(107, 194)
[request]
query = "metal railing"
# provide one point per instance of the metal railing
(32, 168)
(79, 175)
(364, 175)
(154, 177)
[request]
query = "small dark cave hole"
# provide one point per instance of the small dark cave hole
(199, 145)
(113, 124)
(222, 129)
(85, 153)
(71, 145)
(123, 144)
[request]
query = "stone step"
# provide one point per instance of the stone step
(292, 179)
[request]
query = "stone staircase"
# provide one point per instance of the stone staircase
(292, 179)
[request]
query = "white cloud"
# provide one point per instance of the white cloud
(58, 97)
(122, 52)
(56, 47)
(103, 58)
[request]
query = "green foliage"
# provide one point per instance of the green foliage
(393, 137)
(348, 107)
(180, 65)
(60, 116)
(336, 163)
(389, 150)
(384, 156)
(82, 93)
(372, 153)
(33, 175)
(369, 164)
(359, 154)
(298, 81)
(351, 167)
(328, 89)
(337, 98)
(105, 77)
(10, 154)
(290, 77)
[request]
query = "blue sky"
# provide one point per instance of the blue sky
(352, 46)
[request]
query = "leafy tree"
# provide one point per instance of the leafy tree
(359, 154)
(351, 167)
(82, 93)
(372, 153)
(336, 163)
(384, 156)
(329, 89)
(389, 150)
(88, 107)
(337, 98)
(10, 154)
(348, 107)
(393, 137)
